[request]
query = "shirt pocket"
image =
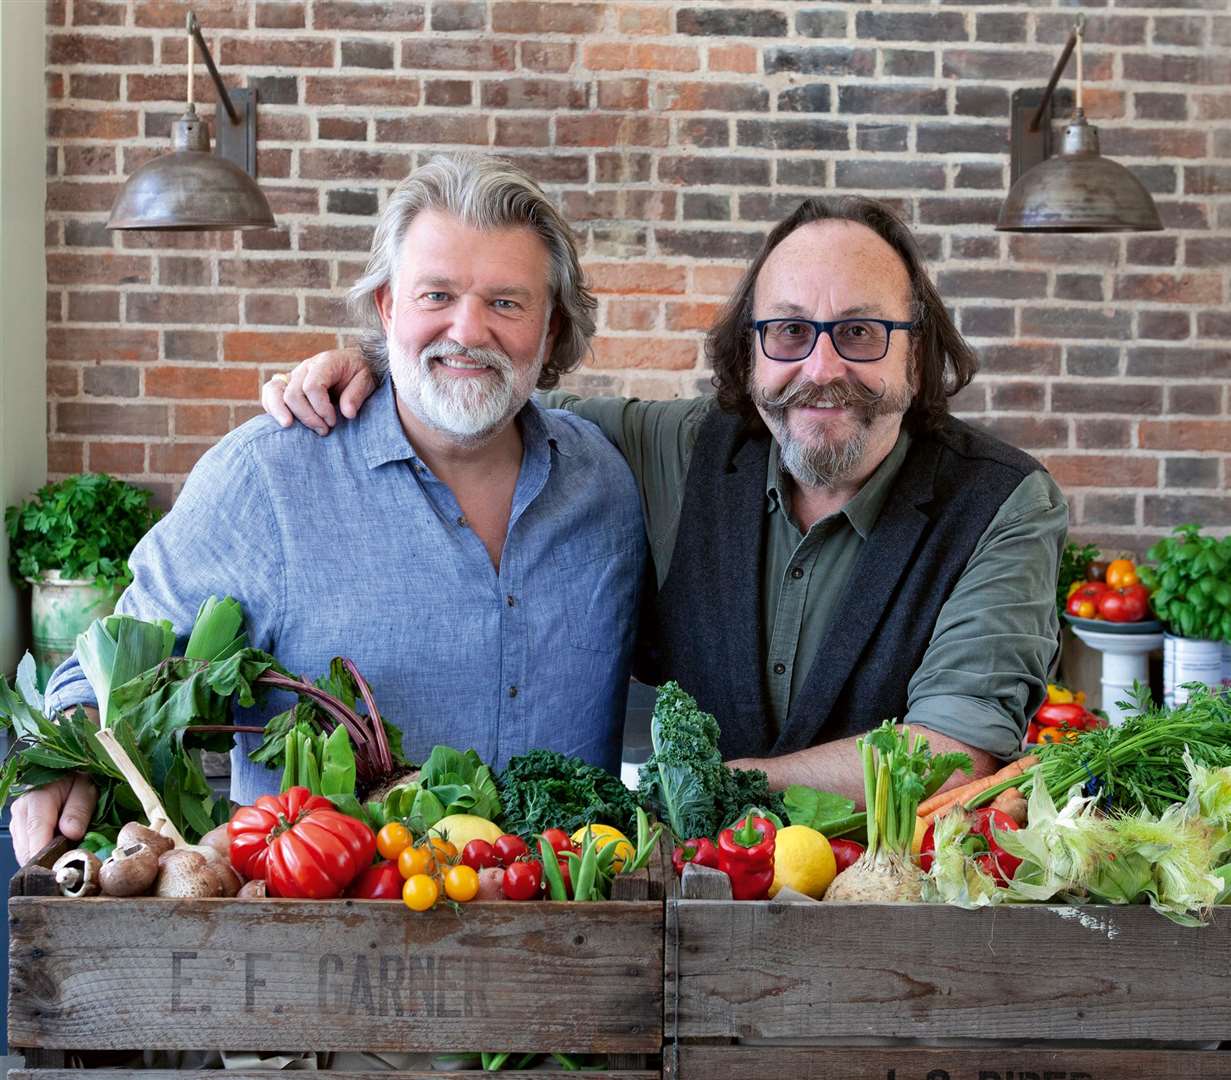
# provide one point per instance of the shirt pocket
(598, 582)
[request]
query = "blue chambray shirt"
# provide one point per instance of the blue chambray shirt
(349, 546)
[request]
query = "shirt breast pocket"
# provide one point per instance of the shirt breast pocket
(598, 583)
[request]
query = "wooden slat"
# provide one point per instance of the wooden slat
(916, 1063)
(277, 975)
(760, 970)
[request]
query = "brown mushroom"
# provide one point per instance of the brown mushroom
(186, 874)
(130, 870)
(136, 833)
(228, 878)
(76, 872)
(253, 890)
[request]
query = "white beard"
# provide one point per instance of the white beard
(471, 410)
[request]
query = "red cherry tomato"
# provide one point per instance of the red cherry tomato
(522, 880)
(380, 882)
(479, 855)
(565, 874)
(509, 848)
(558, 839)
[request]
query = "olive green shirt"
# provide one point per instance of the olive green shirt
(985, 671)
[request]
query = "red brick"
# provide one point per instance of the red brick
(1152, 142)
(716, 280)
(521, 17)
(171, 381)
(738, 58)
(104, 418)
(295, 273)
(979, 64)
(547, 94)
(183, 270)
(396, 15)
(202, 419)
(81, 198)
(280, 15)
(642, 205)
(632, 314)
(437, 55)
(342, 127)
(273, 163)
(1106, 397)
(628, 129)
(636, 277)
(64, 456)
(1103, 433)
(692, 316)
(100, 51)
(1170, 288)
(94, 87)
(1186, 435)
(176, 457)
(1101, 470)
(669, 354)
(352, 164)
(53, 81)
(73, 344)
(276, 52)
(285, 200)
(386, 91)
(198, 345)
(256, 347)
(270, 309)
(117, 457)
(556, 56)
(649, 19)
(434, 130)
(336, 238)
(94, 307)
(158, 88)
(623, 93)
(208, 309)
(522, 131)
(212, 14)
(1028, 432)
(711, 97)
(98, 13)
(1212, 106)
(63, 380)
(89, 160)
(446, 92)
(626, 57)
(267, 239)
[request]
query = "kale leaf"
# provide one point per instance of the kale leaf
(543, 789)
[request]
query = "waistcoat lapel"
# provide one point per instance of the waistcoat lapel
(883, 559)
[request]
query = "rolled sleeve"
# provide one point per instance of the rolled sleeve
(985, 670)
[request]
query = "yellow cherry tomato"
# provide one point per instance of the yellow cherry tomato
(392, 840)
(1121, 573)
(1059, 695)
(414, 860)
(420, 892)
(446, 850)
(1073, 588)
(461, 883)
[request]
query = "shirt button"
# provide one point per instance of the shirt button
(796, 572)
(510, 601)
(512, 691)
(780, 669)
(461, 522)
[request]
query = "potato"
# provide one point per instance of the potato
(490, 881)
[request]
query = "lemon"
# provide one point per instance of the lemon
(608, 834)
(803, 861)
(460, 829)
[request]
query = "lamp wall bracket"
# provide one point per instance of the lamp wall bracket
(1028, 147)
(237, 141)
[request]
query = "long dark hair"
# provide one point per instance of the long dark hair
(944, 363)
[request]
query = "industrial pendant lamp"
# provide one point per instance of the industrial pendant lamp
(1077, 190)
(191, 189)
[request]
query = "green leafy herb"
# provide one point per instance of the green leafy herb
(1190, 584)
(543, 789)
(84, 526)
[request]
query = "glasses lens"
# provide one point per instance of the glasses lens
(859, 339)
(787, 339)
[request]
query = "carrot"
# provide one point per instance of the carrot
(941, 802)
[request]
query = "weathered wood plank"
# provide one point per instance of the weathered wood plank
(276, 975)
(172, 1074)
(760, 970)
(35, 877)
(918, 1063)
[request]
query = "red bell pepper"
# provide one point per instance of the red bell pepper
(980, 842)
(700, 851)
(746, 856)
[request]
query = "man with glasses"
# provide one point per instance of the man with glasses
(830, 546)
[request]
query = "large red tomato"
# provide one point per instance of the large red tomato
(299, 844)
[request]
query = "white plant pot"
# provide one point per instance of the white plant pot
(60, 609)
(1187, 660)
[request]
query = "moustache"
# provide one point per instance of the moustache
(442, 347)
(840, 394)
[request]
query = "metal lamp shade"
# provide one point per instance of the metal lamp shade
(190, 189)
(1078, 190)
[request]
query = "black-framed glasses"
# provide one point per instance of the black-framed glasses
(857, 340)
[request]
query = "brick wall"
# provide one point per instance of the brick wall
(672, 133)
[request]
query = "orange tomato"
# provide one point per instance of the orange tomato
(1054, 735)
(392, 840)
(414, 860)
(446, 850)
(420, 892)
(1121, 573)
(461, 883)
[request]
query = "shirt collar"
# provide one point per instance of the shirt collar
(863, 510)
(384, 439)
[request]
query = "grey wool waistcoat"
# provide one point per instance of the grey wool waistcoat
(703, 628)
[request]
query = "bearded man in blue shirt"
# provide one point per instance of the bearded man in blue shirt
(477, 556)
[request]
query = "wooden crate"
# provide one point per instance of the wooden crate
(1032, 992)
(292, 975)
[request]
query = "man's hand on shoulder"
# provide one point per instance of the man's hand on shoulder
(304, 393)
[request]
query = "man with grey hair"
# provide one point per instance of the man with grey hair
(477, 556)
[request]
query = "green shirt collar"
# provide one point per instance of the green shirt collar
(863, 510)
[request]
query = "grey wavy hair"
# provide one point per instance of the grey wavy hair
(484, 193)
